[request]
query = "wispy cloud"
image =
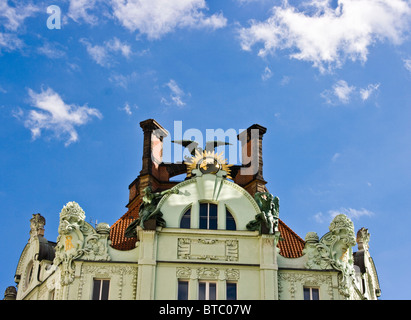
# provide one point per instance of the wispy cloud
(9, 42)
(353, 214)
(12, 17)
(285, 80)
(335, 157)
(101, 54)
(122, 80)
(407, 64)
(51, 51)
(176, 96)
(156, 18)
(318, 32)
(53, 114)
(79, 10)
(342, 93)
(128, 109)
(267, 74)
(367, 92)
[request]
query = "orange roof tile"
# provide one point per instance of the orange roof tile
(118, 240)
(290, 244)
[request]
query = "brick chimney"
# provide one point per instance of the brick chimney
(154, 172)
(250, 174)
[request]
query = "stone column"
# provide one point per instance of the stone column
(269, 266)
(147, 264)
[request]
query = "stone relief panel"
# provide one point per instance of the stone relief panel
(207, 249)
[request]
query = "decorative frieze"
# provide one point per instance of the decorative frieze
(208, 273)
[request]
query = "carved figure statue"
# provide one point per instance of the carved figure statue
(148, 210)
(270, 209)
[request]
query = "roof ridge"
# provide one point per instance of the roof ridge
(292, 231)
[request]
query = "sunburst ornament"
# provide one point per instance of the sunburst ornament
(208, 162)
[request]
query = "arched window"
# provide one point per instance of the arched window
(229, 221)
(208, 216)
(186, 220)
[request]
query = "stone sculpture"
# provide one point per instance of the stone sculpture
(148, 210)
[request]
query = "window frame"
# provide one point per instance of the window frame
(228, 214)
(209, 204)
(100, 289)
(184, 216)
(181, 281)
(236, 290)
(310, 291)
(207, 289)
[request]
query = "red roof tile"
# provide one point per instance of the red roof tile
(118, 240)
(290, 244)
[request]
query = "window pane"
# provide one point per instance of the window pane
(231, 291)
(185, 220)
(212, 291)
(183, 290)
(212, 216)
(315, 294)
(96, 289)
(202, 291)
(105, 289)
(203, 215)
(229, 221)
(307, 294)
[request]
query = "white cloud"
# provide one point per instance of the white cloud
(79, 10)
(101, 53)
(9, 42)
(115, 45)
(123, 80)
(176, 95)
(335, 157)
(128, 109)
(353, 214)
(156, 18)
(97, 53)
(407, 64)
(285, 80)
(325, 35)
(267, 74)
(13, 17)
(367, 92)
(51, 51)
(319, 217)
(55, 115)
(342, 93)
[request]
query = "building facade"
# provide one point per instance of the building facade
(217, 235)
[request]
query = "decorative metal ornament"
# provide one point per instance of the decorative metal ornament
(208, 162)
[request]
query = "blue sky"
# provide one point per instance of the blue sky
(329, 79)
